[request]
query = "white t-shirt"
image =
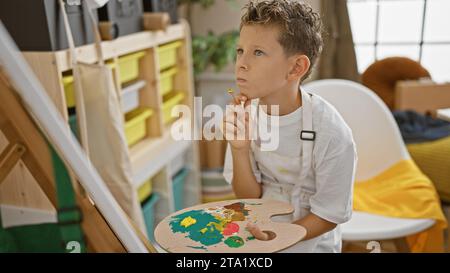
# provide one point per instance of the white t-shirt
(330, 178)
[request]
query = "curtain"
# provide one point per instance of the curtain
(338, 59)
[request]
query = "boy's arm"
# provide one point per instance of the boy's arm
(314, 225)
(244, 181)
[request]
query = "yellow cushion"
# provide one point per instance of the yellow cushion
(433, 159)
(404, 191)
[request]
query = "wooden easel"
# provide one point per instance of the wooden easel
(26, 143)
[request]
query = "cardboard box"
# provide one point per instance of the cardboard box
(422, 96)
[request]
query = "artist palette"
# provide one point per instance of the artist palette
(221, 227)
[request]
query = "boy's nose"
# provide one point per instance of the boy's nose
(244, 66)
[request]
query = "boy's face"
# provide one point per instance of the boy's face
(261, 64)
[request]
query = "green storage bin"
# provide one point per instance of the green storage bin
(168, 54)
(148, 209)
(166, 80)
(73, 124)
(178, 183)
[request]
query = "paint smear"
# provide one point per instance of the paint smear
(238, 207)
(198, 247)
(210, 226)
(234, 241)
(188, 221)
(208, 237)
(230, 229)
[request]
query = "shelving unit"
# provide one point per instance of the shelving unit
(153, 156)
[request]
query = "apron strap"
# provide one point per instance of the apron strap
(307, 135)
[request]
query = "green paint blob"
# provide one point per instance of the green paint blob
(234, 241)
(207, 237)
(249, 238)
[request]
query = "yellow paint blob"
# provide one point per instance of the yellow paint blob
(188, 221)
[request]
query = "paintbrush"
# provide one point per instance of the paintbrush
(231, 92)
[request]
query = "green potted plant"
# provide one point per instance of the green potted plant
(216, 50)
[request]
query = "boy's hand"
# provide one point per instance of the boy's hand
(258, 233)
(236, 123)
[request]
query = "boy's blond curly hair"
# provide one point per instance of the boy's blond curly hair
(300, 27)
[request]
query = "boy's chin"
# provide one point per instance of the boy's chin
(247, 93)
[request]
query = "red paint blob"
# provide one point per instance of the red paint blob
(230, 228)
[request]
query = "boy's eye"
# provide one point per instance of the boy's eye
(239, 51)
(258, 52)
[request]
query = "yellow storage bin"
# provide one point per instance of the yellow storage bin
(170, 101)
(145, 190)
(135, 124)
(69, 90)
(168, 55)
(129, 66)
(166, 80)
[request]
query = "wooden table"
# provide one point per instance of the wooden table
(220, 227)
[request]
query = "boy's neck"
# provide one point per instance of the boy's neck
(289, 99)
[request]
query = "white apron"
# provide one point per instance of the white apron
(289, 183)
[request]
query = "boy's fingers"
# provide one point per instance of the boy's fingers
(255, 231)
(240, 98)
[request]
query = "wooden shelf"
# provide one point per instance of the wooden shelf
(111, 49)
(151, 157)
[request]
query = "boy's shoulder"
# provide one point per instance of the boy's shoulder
(328, 122)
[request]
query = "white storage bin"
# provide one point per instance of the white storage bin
(130, 96)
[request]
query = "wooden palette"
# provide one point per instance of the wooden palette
(206, 227)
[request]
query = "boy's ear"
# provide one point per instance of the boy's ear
(301, 64)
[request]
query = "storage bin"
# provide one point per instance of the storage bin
(38, 25)
(145, 190)
(169, 102)
(135, 124)
(129, 66)
(148, 210)
(69, 90)
(178, 183)
(73, 124)
(130, 96)
(169, 6)
(167, 54)
(167, 80)
(125, 16)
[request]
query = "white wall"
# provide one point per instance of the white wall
(222, 17)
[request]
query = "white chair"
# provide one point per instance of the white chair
(379, 145)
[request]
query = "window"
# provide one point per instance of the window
(417, 29)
